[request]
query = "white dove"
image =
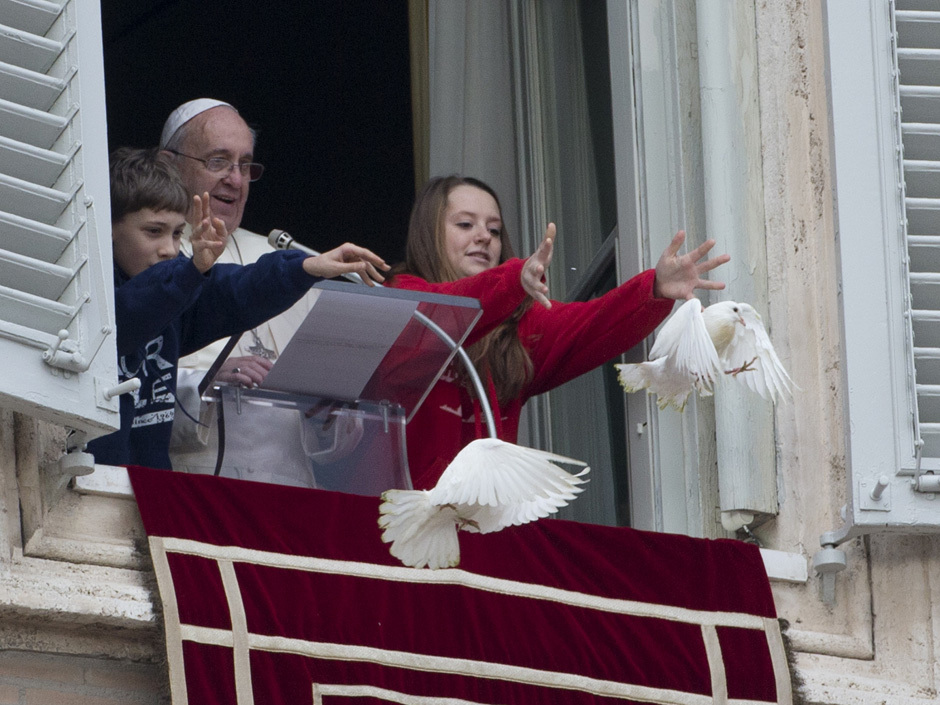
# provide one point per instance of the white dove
(695, 346)
(683, 358)
(745, 350)
(490, 484)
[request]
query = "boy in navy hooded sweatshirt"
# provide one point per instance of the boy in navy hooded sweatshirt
(168, 305)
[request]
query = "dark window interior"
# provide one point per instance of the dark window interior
(325, 84)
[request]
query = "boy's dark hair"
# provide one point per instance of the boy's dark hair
(143, 178)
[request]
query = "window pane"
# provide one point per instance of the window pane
(586, 415)
(588, 421)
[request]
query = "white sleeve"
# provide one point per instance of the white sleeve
(193, 418)
(330, 441)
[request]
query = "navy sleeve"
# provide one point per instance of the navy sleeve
(146, 304)
(236, 298)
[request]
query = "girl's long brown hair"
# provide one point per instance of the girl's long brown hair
(500, 353)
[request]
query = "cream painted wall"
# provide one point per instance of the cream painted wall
(877, 642)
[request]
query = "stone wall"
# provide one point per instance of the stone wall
(877, 642)
(29, 678)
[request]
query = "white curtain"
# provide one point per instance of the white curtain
(472, 99)
(509, 104)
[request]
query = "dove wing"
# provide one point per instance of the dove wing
(490, 485)
(685, 339)
(675, 327)
(496, 484)
(683, 358)
(751, 346)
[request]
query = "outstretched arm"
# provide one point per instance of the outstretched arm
(677, 276)
(346, 259)
(533, 271)
(209, 235)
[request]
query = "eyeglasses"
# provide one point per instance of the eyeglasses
(221, 165)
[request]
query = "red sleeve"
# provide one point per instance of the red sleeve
(573, 338)
(499, 291)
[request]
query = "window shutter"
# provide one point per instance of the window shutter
(56, 290)
(918, 38)
(885, 100)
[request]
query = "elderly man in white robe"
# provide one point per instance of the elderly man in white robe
(214, 151)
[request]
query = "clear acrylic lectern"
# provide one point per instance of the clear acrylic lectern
(354, 373)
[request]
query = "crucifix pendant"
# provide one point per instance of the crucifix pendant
(260, 350)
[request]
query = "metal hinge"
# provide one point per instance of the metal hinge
(66, 355)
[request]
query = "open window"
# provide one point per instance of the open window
(559, 104)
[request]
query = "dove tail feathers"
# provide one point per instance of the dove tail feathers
(634, 376)
(650, 376)
(420, 533)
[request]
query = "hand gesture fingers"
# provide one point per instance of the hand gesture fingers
(198, 216)
(533, 271)
(201, 208)
(209, 235)
(205, 223)
(708, 265)
(677, 276)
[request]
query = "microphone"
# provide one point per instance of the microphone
(281, 240)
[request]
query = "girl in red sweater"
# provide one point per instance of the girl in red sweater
(524, 344)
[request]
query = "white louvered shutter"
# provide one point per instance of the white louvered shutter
(918, 51)
(56, 292)
(885, 113)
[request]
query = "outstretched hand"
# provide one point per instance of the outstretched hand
(347, 259)
(677, 276)
(533, 271)
(209, 234)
